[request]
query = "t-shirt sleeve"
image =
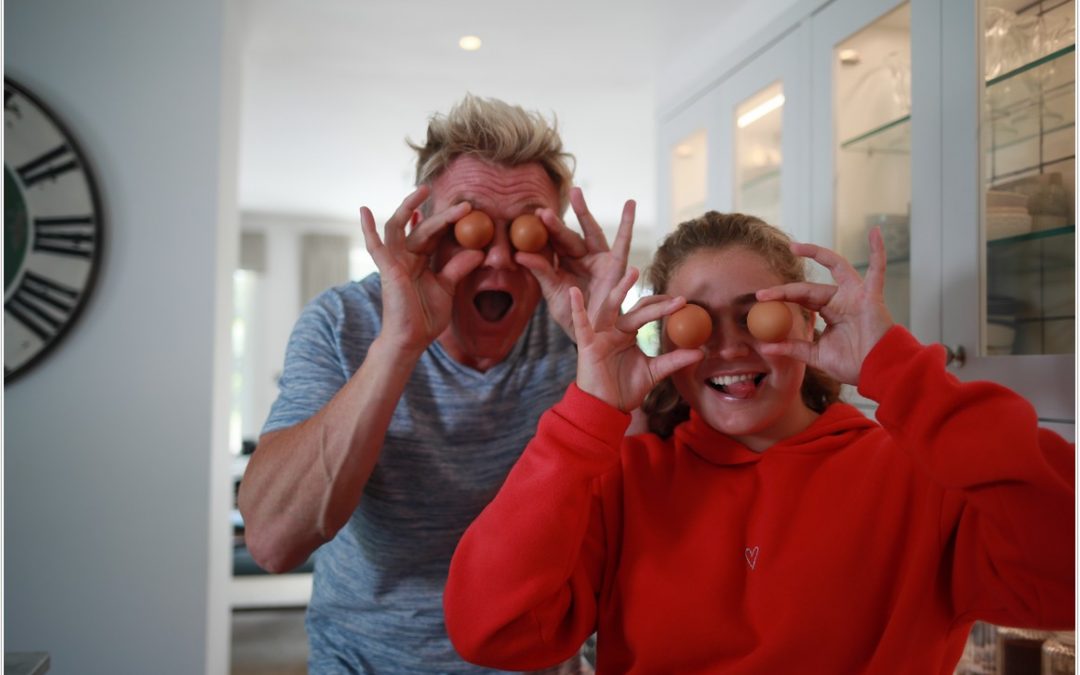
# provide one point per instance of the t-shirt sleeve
(314, 366)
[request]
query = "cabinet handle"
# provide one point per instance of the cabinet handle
(957, 356)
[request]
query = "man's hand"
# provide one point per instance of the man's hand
(583, 262)
(417, 300)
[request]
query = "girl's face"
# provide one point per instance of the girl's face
(740, 392)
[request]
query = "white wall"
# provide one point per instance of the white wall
(111, 446)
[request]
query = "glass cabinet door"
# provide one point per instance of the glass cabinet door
(1029, 172)
(871, 108)
(758, 154)
(689, 173)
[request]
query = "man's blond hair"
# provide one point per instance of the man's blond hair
(496, 132)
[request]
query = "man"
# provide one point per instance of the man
(406, 397)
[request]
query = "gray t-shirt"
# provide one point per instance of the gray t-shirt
(376, 605)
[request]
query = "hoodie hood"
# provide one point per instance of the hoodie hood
(833, 430)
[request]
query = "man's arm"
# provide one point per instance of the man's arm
(304, 481)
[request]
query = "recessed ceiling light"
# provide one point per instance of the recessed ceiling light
(470, 43)
(849, 57)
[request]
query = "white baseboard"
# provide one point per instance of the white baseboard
(270, 590)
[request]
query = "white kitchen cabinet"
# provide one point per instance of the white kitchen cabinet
(763, 162)
(892, 117)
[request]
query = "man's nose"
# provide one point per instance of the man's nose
(500, 252)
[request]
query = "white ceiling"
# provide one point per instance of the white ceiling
(331, 88)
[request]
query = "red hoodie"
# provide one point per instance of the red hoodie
(850, 547)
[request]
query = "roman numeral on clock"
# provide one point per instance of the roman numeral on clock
(65, 235)
(53, 163)
(42, 305)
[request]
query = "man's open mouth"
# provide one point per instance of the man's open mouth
(493, 305)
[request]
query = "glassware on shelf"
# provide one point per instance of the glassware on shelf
(1049, 205)
(1009, 40)
(1059, 654)
(1029, 172)
(871, 117)
(1019, 651)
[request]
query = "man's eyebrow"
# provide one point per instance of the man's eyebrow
(746, 299)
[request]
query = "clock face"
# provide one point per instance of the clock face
(52, 231)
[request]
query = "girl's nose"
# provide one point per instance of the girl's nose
(729, 340)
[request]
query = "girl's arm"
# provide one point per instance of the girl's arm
(524, 580)
(1007, 519)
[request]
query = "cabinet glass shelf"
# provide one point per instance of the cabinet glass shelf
(764, 178)
(1031, 236)
(1048, 59)
(1031, 116)
(1034, 253)
(893, 137)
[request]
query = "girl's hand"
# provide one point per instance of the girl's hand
(586, 263)
(611, 367)
(417, 301)
(854, 311)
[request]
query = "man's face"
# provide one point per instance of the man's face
(493, 304)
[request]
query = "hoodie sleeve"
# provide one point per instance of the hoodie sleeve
(524, 579)
(1007, 524)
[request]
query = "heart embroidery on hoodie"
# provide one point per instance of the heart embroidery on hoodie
(751, 556)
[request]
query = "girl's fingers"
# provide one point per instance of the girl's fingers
(875, 275)
(673, 361)
(648, 300)
(621, 246)
(617, 294)
(800, 350)
(583, 332)
(641, 314)
(811, 295)
(837, 264)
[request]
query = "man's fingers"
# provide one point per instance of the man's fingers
(593, 233)
(394, 230)
(459, 266)
(425, 237)
(564, 241)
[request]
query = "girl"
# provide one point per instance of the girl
(764, 526)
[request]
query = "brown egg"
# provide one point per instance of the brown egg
(528, 233)
(690, 327)
(474, 230)
(769, 321)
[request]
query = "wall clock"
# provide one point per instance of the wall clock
(52, 231)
